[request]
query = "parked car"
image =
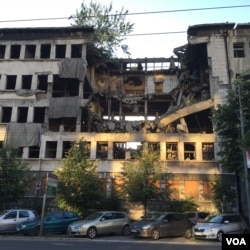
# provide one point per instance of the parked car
(10, 218)
(162, 224)
(214, 226)
(54, 222)
(104, 222)
(196, 217)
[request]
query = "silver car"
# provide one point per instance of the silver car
(101, 223)
(214, 226)
(10, 218)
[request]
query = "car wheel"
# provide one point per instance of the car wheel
(219, 236)
(188, 233)
(155, 234)
(126, 230)
(91, 233)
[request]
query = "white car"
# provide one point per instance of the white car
(10, 218)
(214, 226)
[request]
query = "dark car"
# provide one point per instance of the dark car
(162, 224)
(196, 217)
(54, 222)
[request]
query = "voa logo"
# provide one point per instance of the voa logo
(236, 241)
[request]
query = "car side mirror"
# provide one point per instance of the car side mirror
(103, 219)
(226, 222)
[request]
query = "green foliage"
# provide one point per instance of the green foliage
(110, 29)
(141, 178)
(182, 206)
(79, 187)
(226, 119)
(222, 194)
(14, 178)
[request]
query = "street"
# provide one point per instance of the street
(106, 242)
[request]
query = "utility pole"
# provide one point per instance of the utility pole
(244, 154)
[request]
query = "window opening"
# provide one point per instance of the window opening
(60, 50)
(238, 50)
(26, 81)
(102, 150)
(66, 147)
(30, 51)
(22, 114)
(45, 51)
(207, 151)
(43, 82)
(6, 114)
(172, 151)
(154, 147)
(34, 152)
(39, 114)
(189, 151)
(15, 51)
(76, 51)
(11, 82)
(119, 150)
(50, 151)
(2, 51)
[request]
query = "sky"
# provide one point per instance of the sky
(174, 20)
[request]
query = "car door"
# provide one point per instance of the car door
(105, 224)
(23, 215)
(54, 222)
(117, 222)
(9, 221)
(166, 225)
(232, 224)
(180, 224)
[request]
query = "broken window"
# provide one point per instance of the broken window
(30, 51)
(2, 51)
(1, 144)
(189, 151)
(63, 87)
(15, 51)
(208, 151)
(50, 150)
(11, 82)
(158, 87)
(102, 150)
(26, 81)
(119, 150)
(60, 50)
(34, 152)
(154, 147)
(43, 82)
(22, 114)
(45, 51)
(172, 151)
(39, 114)
(67, 123)
(66, 147)
(76, 51)
(238, 50)
(6, 114)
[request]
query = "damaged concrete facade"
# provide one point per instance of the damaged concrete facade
(49, 97)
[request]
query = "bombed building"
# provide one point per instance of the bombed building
(50, 96)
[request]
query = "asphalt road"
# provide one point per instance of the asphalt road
(113, 242)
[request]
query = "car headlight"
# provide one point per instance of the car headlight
(79, 227)
(146, 227)
(212, 229)
(23, 226)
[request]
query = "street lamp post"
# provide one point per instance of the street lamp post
(244, 155)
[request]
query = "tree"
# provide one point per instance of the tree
(79, 187)
(14, 177)
(226, 119)
(142, 177)
(110, 29)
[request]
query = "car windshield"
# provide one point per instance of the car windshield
(94, 216)
(214, 219)
(153, 217)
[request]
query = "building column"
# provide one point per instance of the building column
(68, 51)
(18, 82)
(22, 52)
(93, 150)
(110, 151)
(14, 114)
(30, 117)
(7, 52)
(3, 82)
(59, 150)
(163, 151)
